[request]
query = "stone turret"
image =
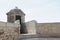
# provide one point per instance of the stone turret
(16, 14)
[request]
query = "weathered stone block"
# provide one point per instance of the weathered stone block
(2, 24)
(31, 27)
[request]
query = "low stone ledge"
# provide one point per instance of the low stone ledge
(22, 36)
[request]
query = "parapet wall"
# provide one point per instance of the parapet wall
(31, 27)
(9, 31)
(52, 29)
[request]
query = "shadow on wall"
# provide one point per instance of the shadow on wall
(23, 29)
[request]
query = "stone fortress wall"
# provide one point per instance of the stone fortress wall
(9, 31)
(52, 29)
(41, 31)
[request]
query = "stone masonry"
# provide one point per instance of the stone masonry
(51, 29)
(9, 31)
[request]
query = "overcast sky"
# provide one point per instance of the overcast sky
(39, 10)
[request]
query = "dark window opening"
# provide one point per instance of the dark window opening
(18, 18)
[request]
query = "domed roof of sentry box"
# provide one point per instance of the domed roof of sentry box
(16, 10)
